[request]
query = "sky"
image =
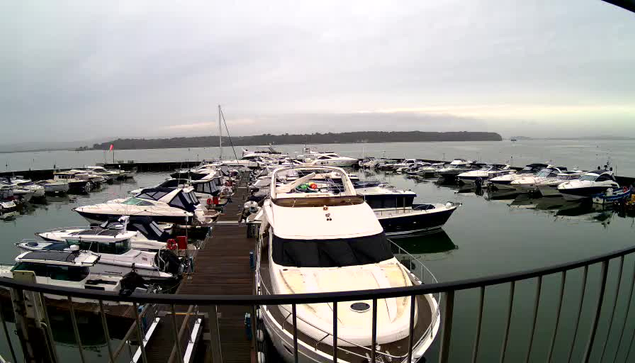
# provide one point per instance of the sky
(85, 70)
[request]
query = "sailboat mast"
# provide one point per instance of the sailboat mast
(220, 133)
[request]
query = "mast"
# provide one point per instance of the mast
(220, 133)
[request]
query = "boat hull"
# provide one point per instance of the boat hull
(582, 193)
(413, 221)
(98, 218)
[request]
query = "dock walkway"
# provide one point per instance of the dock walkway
(221, 267)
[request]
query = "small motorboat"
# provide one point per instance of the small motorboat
(613, 195)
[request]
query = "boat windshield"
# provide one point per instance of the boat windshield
(332, 252)
(63, 273)
(137, 201)
(544, 173)
(113, 248)
(589, 177)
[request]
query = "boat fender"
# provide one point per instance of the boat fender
(209, 201)
(260, 335)
(261, 357)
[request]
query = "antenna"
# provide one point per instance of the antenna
(230, 138)
(220, 134)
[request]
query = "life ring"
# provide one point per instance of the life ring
(625, 189)
(210, 201)
(172, 244)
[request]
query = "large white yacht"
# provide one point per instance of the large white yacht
(589, 184)
(504, 182)
(166, 205)
(484, 174)
(548, 187)
(332, 159)
(315, 238)
(528, 183)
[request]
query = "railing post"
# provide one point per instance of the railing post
(177, 339)
(512, 290)
(413, 305)
(21, 324)
(628, 309)
(559, 310)
(535, 318)
(446, 323)
(215, 344)
(598, 311)
(617, 294)
(295, 332)
(373, 353)
(140, 333)
(78, 338)
(577, 324)
(335, 332)
(104, 323)
(479, 322)
(6, 334)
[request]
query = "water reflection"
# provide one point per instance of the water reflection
(426, 243)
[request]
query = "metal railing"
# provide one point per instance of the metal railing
(604, 304)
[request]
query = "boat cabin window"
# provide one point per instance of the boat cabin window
(331, 253)
(604, 177)
(183, 201)
(589, 177)
(62, 273)
(324, 157)
(377, 202)
(153, 194)
(112, 248)
(137, 201)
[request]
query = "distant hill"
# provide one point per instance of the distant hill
(285, 139)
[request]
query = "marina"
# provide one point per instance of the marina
(463, 246)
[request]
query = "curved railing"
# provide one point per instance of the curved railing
(446, 289)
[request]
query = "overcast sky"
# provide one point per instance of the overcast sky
(83, 70)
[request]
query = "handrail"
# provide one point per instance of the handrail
(314, 298)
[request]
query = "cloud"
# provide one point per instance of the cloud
(74, 71)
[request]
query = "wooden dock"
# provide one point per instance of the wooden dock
(221, 267)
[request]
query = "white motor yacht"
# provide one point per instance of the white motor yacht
(397, 213)
(26, 184)
(144, 233)
(589, 184)
(333, 159)
(504, 182)
(528, 183)
(548, 187)
(63, 268)
(75, 183)
(316, 238)
(456, 167)
(117, 258)
(178, 206)
(484, 174)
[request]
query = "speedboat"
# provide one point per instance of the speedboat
(203, 188)
(144, 233)
(317, 238)
(204, 170)
(430, 170)
(589, 184)
(63, 268)
(117, 258)
(37, 191)
(397, 213)
(52, 186)
(484, 174)
(333, 159)
(504, 182)
(75, 184)
(528, 183)
(178, 206)
(548, 187)
(456, 167)
(16, 193)
(262, 152)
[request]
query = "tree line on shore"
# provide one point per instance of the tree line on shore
(285, 139)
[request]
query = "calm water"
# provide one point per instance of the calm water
(485, 236)
(585, 154)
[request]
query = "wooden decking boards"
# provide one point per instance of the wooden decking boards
(221, 267)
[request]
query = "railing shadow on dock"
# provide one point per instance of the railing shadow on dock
(589, 321)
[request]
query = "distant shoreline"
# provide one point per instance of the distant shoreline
(298, 139)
